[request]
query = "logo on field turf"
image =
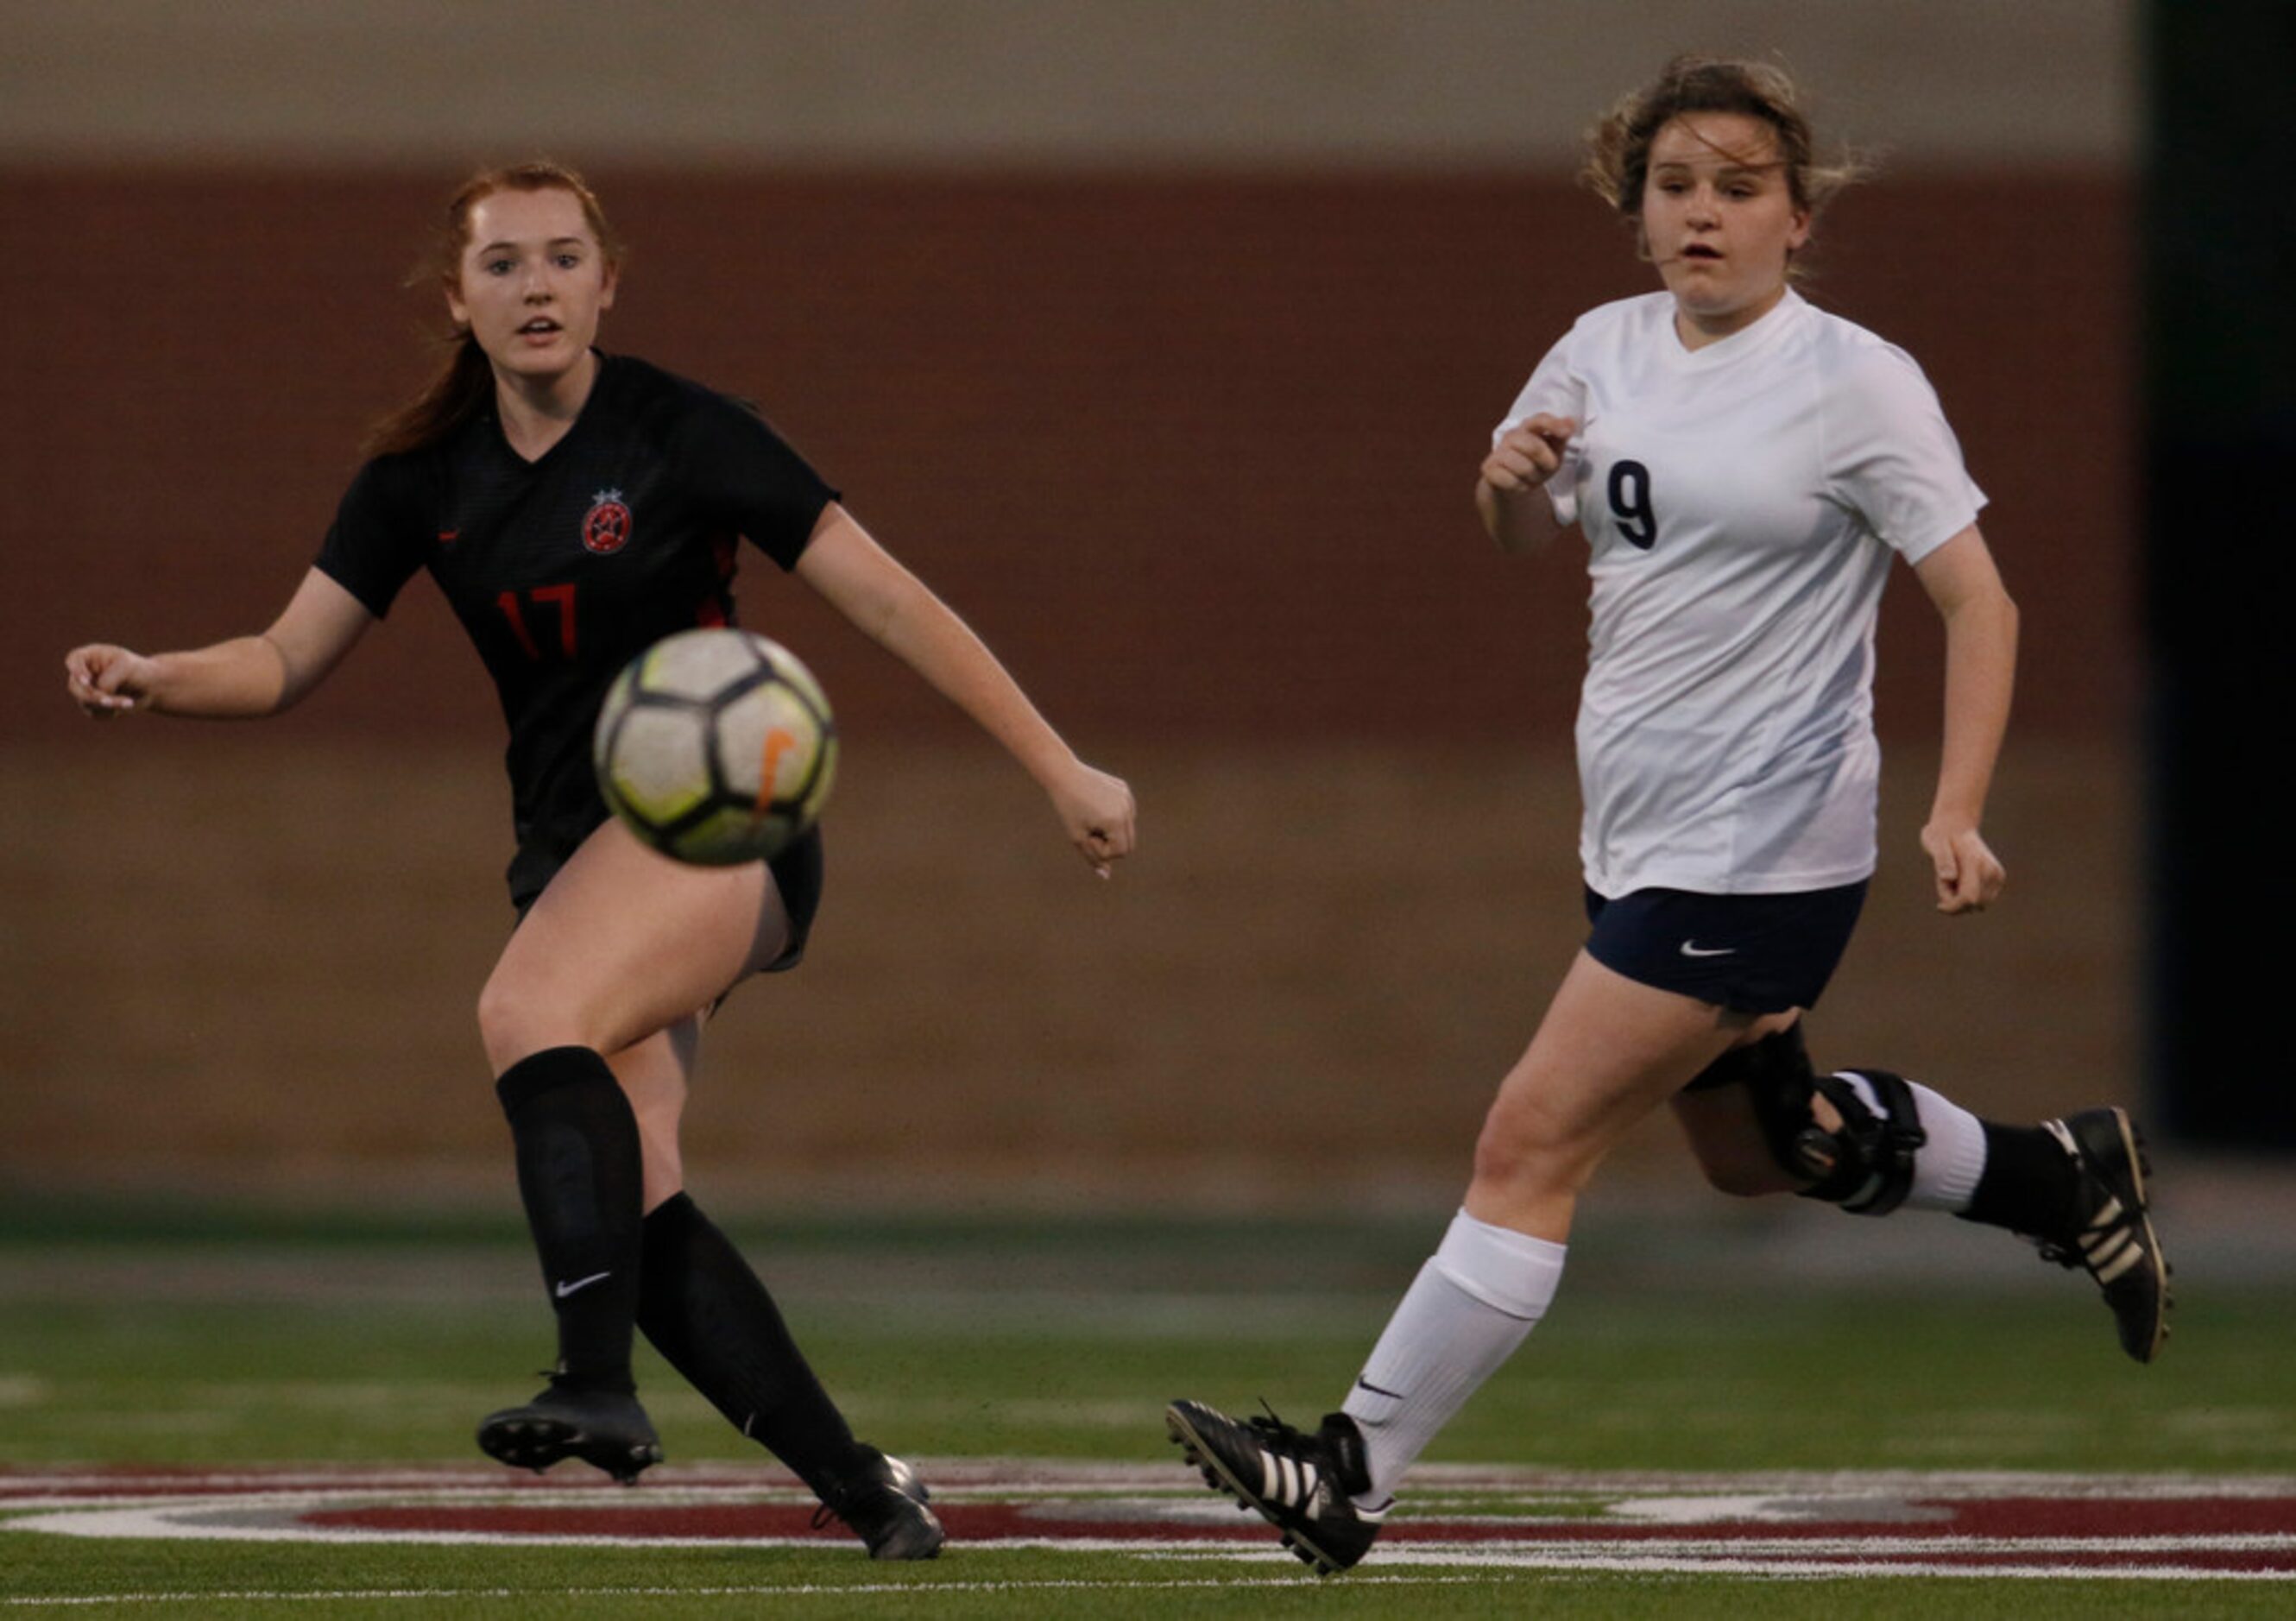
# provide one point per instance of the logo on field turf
(1462, 1520)
(606, 526)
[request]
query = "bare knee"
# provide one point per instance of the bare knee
(1734, 1142)
(1732, 1148)
(516, 1020)
(1524, 1149)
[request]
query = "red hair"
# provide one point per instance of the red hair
(464, 383)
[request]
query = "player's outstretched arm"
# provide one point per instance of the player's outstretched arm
(242, 679)
(1981, 668)
(1510, 490)
(862, 580)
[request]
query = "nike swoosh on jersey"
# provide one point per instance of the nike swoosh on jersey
(1691, 948)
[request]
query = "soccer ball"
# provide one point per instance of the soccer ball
(715, 747)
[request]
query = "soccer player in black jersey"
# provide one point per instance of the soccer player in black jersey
(574, 507)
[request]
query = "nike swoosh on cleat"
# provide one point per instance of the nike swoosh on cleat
(564, 1290)
(1692, 949)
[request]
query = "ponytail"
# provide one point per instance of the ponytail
(461, 389)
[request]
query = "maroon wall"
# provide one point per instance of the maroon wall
(1194, 453)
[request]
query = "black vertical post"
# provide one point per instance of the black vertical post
(2218, 456)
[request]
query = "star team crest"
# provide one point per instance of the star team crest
(606, 526)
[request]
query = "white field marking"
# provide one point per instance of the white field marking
(1722, 1506)
(189, 1522)
(1179, 1504)
(232, 1505)
(801, 1590)
(1449, 1488)
(1002, 1477)
(1001, 1480)
(1874, 1547)
(1453, 1491)
(1863, 1569)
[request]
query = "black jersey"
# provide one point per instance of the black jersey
(564, 569)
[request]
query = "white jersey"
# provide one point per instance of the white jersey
(1741, 502)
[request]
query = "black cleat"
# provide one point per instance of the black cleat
(2112, 1237)
(606, 1428)
(1299, 1482)
(885, 1505)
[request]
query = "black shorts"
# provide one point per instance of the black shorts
(1752, 954)
(797, 874)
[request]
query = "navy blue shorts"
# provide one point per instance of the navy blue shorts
(1752, 954)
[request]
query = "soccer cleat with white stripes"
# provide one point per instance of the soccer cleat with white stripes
(1299, 1483)
(2113, 1239)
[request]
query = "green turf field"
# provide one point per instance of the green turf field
(206, 1340)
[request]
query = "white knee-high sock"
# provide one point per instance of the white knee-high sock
(1945, 1167)
(1474, 1302)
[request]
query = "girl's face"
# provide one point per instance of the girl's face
(532, 282)
(1720, 221)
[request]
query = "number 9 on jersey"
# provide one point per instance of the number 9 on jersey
(715, 747)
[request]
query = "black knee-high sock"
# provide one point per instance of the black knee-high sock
(2030, 1184)
(711, 1319)
(580, 1176)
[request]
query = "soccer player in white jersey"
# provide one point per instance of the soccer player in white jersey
(1744, 468)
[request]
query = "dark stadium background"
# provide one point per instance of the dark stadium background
(1178, 397)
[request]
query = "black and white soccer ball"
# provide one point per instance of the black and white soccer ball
(715, 747)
